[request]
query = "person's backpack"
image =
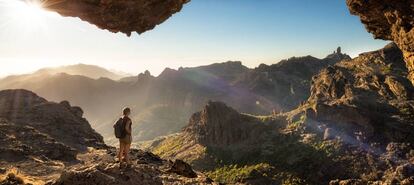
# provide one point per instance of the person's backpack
(119, 128)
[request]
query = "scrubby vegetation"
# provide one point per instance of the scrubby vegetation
(297, 123)
(235, 173)
(284, 156)
(267, 174)
(169, 146)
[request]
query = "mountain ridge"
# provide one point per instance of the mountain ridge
(91, 71)
(257, 91)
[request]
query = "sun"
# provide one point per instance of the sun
(26, 14)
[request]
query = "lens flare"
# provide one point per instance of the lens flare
(24, 14)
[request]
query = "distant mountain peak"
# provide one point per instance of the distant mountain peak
(338, 55)
(167, 72)
(91, 71)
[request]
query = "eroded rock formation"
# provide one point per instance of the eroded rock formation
(220, 125)
(368, 95)
(124, 16)
(389, 20)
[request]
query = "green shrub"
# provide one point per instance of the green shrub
(235, 173)
(297, 123)
(169, 146)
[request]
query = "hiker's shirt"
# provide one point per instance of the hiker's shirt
(128, 137)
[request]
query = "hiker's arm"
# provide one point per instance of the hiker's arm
(127, 127)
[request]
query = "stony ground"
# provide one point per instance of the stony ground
(100, 167)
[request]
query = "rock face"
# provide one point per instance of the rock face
(124, 16)
(389, 20)
(368, 96)
(221, 126)
(60, 121)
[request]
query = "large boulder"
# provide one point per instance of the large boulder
(182, 168)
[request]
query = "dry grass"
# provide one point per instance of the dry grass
(15, 174)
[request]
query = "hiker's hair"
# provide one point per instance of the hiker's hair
(126, 110)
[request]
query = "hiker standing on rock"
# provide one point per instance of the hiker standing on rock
(123, 133)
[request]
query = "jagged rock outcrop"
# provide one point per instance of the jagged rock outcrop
(389, 20)
(60, 121)
(367, 98)
(124, 16)
(221, 126)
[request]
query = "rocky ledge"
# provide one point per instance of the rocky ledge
(99, 167)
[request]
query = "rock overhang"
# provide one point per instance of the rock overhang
(389, 20)
(126, 16)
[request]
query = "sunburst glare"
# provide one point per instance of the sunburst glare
(27, 15)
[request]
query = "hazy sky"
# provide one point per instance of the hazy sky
(204, 32)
